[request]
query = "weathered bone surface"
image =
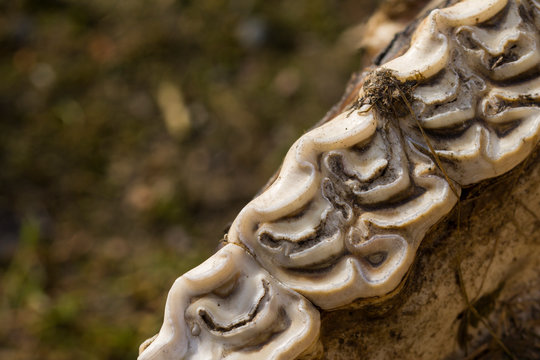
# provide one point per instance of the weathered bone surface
(356, 196)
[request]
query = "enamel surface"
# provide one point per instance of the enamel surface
(325, 246)
(230, 308)
(356, 196)
(481, 112)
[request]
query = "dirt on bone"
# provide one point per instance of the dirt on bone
(386, 94)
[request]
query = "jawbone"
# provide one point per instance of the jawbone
(356, 196)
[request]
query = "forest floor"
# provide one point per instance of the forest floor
(132, 133)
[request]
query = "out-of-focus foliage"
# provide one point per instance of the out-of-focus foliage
(131, 133)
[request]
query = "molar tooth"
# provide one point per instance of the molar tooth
(259, 312)
(506, 50)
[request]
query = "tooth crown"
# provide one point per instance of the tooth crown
(355, 196)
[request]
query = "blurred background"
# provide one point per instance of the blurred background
(131, 134)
